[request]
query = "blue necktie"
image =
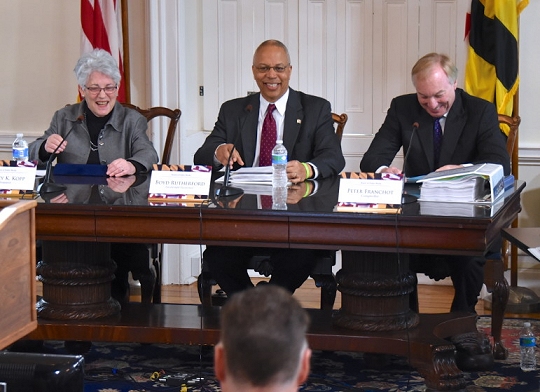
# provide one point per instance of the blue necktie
(437, 141)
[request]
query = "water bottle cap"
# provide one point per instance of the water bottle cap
(526, 324)
(19, 135)
(279, 141)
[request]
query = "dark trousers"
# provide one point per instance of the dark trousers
(228, 266)
(467, 274)
(128, 257)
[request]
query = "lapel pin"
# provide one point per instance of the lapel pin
(298, 121)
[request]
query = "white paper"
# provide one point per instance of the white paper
(535, 252)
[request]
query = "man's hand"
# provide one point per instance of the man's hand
(391, 169)
(224, 151)
(449, 167)
(297, 192)
(296, 172)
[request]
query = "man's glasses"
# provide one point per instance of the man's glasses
(277, 68)
(94, 90)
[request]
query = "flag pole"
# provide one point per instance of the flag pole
(125, 45)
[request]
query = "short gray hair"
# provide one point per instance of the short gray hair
(98, 60)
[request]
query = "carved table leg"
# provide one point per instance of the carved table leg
(76, 279)
(375, 291)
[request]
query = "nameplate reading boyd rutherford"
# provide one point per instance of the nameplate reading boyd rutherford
(180, 182)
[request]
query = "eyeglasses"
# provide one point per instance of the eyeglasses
(94, 90)
(277, 68)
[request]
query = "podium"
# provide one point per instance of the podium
(17, 270)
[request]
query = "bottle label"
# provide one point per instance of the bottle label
(527, 341)
(20, 153)
(279, 159)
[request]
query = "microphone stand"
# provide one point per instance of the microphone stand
(48, 186)
(407, 198)
(226, 191)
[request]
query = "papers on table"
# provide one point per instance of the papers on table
(250, 175)
(482, 183)
(535, 252)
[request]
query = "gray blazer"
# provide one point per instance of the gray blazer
(124, 136)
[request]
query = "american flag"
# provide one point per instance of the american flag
(101, 22)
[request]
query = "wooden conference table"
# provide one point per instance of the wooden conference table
(375, 317)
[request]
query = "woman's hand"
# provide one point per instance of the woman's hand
(120, 184)
(53, 142)
(120, 167)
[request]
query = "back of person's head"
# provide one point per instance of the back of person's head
(98, 60)
(263, 336)
(424, 65)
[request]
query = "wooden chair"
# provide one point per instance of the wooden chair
(494, 268)
(153, 293)
(339, 122)
(322, 271)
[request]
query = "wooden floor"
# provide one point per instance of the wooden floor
(432, 298)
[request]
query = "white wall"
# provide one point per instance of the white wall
(40, 45)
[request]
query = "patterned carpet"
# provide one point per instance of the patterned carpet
(131, 367)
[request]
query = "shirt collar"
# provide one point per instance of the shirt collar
(281, 104)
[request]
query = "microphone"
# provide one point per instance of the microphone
(226, 190)
(406, 197)
(48, 186)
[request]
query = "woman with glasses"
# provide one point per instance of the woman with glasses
(101, 131)
(104, 131)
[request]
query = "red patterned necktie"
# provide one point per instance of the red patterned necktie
(266, 202)
(437, 141)
(268, 137)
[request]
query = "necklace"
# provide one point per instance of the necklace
(93, 146)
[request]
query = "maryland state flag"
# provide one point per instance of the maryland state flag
(491, 71)
(101, 22)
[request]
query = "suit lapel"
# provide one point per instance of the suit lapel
(425, 135)
(294, 116)
(250, 119)
(455, 122)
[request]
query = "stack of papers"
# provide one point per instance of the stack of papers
(251, 175)
(466, 189)
(482, 183)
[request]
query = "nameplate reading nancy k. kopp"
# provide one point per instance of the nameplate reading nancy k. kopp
(193, 181)
(18, 177)
(370, 188)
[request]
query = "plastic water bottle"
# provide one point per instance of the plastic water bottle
(527, 343)
(20, 149)
(279, 176)
(279, 165)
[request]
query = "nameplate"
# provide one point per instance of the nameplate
(370, 188)
(185, 180)
(18, 177)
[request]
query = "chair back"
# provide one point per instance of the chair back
(340, 120)
(511, 146)
(173, 115)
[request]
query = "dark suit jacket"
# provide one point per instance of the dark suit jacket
(308, 132)
(471, 135)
